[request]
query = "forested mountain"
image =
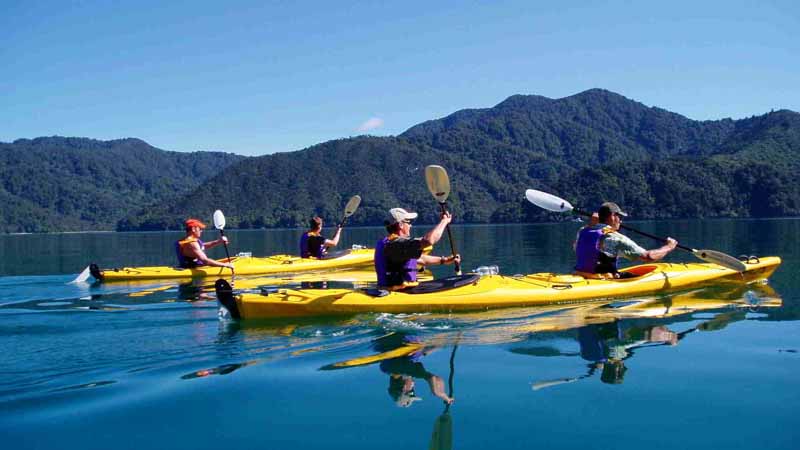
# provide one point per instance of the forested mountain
(72, 184)
(590, 147)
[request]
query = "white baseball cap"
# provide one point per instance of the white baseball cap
(399, 214)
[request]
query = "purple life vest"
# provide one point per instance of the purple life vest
(185, 261)
(589, 257)
(393, 274)
(312, 244)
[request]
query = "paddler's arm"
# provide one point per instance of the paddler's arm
(212, 244)
(433, 236)
(431, 260)
(437, 387)
(200, 255)
(618, 244)
(334, 241)
(661, 252)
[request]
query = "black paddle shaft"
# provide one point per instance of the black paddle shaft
(225, 244)
(452, 243)
(625, 227)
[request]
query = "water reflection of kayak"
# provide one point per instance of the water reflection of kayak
(473, 292)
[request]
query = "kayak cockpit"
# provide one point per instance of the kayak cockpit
(638, 271)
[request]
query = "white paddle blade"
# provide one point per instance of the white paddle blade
(82, 277)
(720, 258)
(352, 205)
(438, 182)
(545, 384)
(547, 201)
(219, 220)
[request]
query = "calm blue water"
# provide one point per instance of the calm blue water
(152, 366)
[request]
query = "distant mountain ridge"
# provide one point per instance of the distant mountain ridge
(589, 147)
(73, 184)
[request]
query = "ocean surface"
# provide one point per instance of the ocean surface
(152, 365)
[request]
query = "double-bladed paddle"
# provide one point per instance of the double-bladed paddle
(556, 204)
(350, 208)
(439, 186)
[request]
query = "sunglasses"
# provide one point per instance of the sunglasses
(407, 221)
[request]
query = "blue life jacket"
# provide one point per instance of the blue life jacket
(390, 275)
(185, 261)
(589, 257)
(312, 244)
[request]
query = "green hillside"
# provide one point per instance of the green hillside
(588, 148)
(73, 184)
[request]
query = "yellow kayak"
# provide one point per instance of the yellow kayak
(243, 265)
(474, 292)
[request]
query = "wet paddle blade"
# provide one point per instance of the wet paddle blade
(83, 276)
(438, 182)
(352, 205)
(226, 298)
(547, 201)
(720, 258)
(219, 220)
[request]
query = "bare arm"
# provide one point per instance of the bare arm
(433, 236)
(196, 252)
(430, 260)
(661, 252)
(333, 242)
(216, 242)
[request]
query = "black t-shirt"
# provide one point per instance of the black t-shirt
(397, 252)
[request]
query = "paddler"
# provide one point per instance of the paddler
(397, 255)
(599, 246)
(313, 244)
(191, 250)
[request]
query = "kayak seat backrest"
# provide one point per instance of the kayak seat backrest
(638, 271)
(443, 284)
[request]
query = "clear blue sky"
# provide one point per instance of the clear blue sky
(256, 77)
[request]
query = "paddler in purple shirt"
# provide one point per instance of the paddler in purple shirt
(191, 250)
(313, 243)
(600, 245)
(397, 255)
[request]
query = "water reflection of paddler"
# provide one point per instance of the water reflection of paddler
(405, 369)
(607, 346)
